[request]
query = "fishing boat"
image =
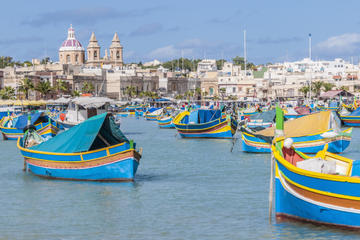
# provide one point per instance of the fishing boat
(323, 189)
(298, 112)
(12, 128)
(310, 134)
(166, 119)
(94, 150)
(205, 123)
(352, 119)
(152, 114)
(261, 120)
(82, 108)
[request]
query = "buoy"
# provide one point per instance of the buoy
(62, 116)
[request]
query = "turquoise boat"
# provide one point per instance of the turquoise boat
(204, 123)
(94, 150)
(12, 128)
(324, 189)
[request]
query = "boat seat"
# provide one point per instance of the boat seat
(318, 165)
(291, 156)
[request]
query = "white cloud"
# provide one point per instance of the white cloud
(345, 44)
(169, 51)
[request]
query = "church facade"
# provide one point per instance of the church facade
(72, 52)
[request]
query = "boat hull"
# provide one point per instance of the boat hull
(166, 122)
(220, 128)
(115, 163)
(351, 121)
(307, 144)
(44, 129)
(329, 199)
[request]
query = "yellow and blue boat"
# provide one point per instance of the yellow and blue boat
(94, 150)
(352, 119)
(310, 134)
(324, 189)
(204, 123)
(12, 128)
(152, 114)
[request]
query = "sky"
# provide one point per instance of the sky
(276, 30)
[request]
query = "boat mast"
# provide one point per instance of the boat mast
(245, 52)
(310, 83)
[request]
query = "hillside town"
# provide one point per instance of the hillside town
(82, 70)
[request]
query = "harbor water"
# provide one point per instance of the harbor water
(184, 189)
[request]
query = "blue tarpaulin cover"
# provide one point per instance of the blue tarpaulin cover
(21, 121)
(77, 139)
(356, 112)
(204, 116)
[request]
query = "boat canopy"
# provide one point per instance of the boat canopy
(21, 121)
(203, 116)
(268, 116)
(307, 125)
(97, 132)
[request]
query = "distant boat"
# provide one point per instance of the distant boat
(204, 123)
(352, 119)
(82, 108)
(152, 114)
(323, 189)
(166, 120)
(12, 128)
(94, 150)
(310, 134)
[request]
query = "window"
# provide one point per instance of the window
(76, 58)
(95, 54)
(67, 58)
(234, 89)
(211, 91)
(117, 55)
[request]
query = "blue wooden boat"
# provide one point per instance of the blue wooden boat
(12, 128)
(204, 123)
(324, 189)
(166, 122)
(352, 119)
(309, 133)
(94, 150)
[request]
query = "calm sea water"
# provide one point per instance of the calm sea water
(184, 189)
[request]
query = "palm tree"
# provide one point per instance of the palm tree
(179, 97)
(316, 87)
(25, 86)
(304, 90)
(43, 88)
(130, 91)
(344, 88)
(327, 86)
(7, 93)
(88, 87)
(75, 93)
(60, 86)
(189, 94)
(198, 92)
(222, 92)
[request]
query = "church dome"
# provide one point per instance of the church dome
(71, 43)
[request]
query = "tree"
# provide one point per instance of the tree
(88, 87)
(240, 61)
(7, 93)
(222, 92)
(75, 93)
(304, 90)
(130, 91)
(45, 60)
(179, 97)
(316, 87)
(198, 92)
(60, 86)
(43, 88)
(328, 86)
(220, 64)
(189, 94)
(26, 86)
(344, 88)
